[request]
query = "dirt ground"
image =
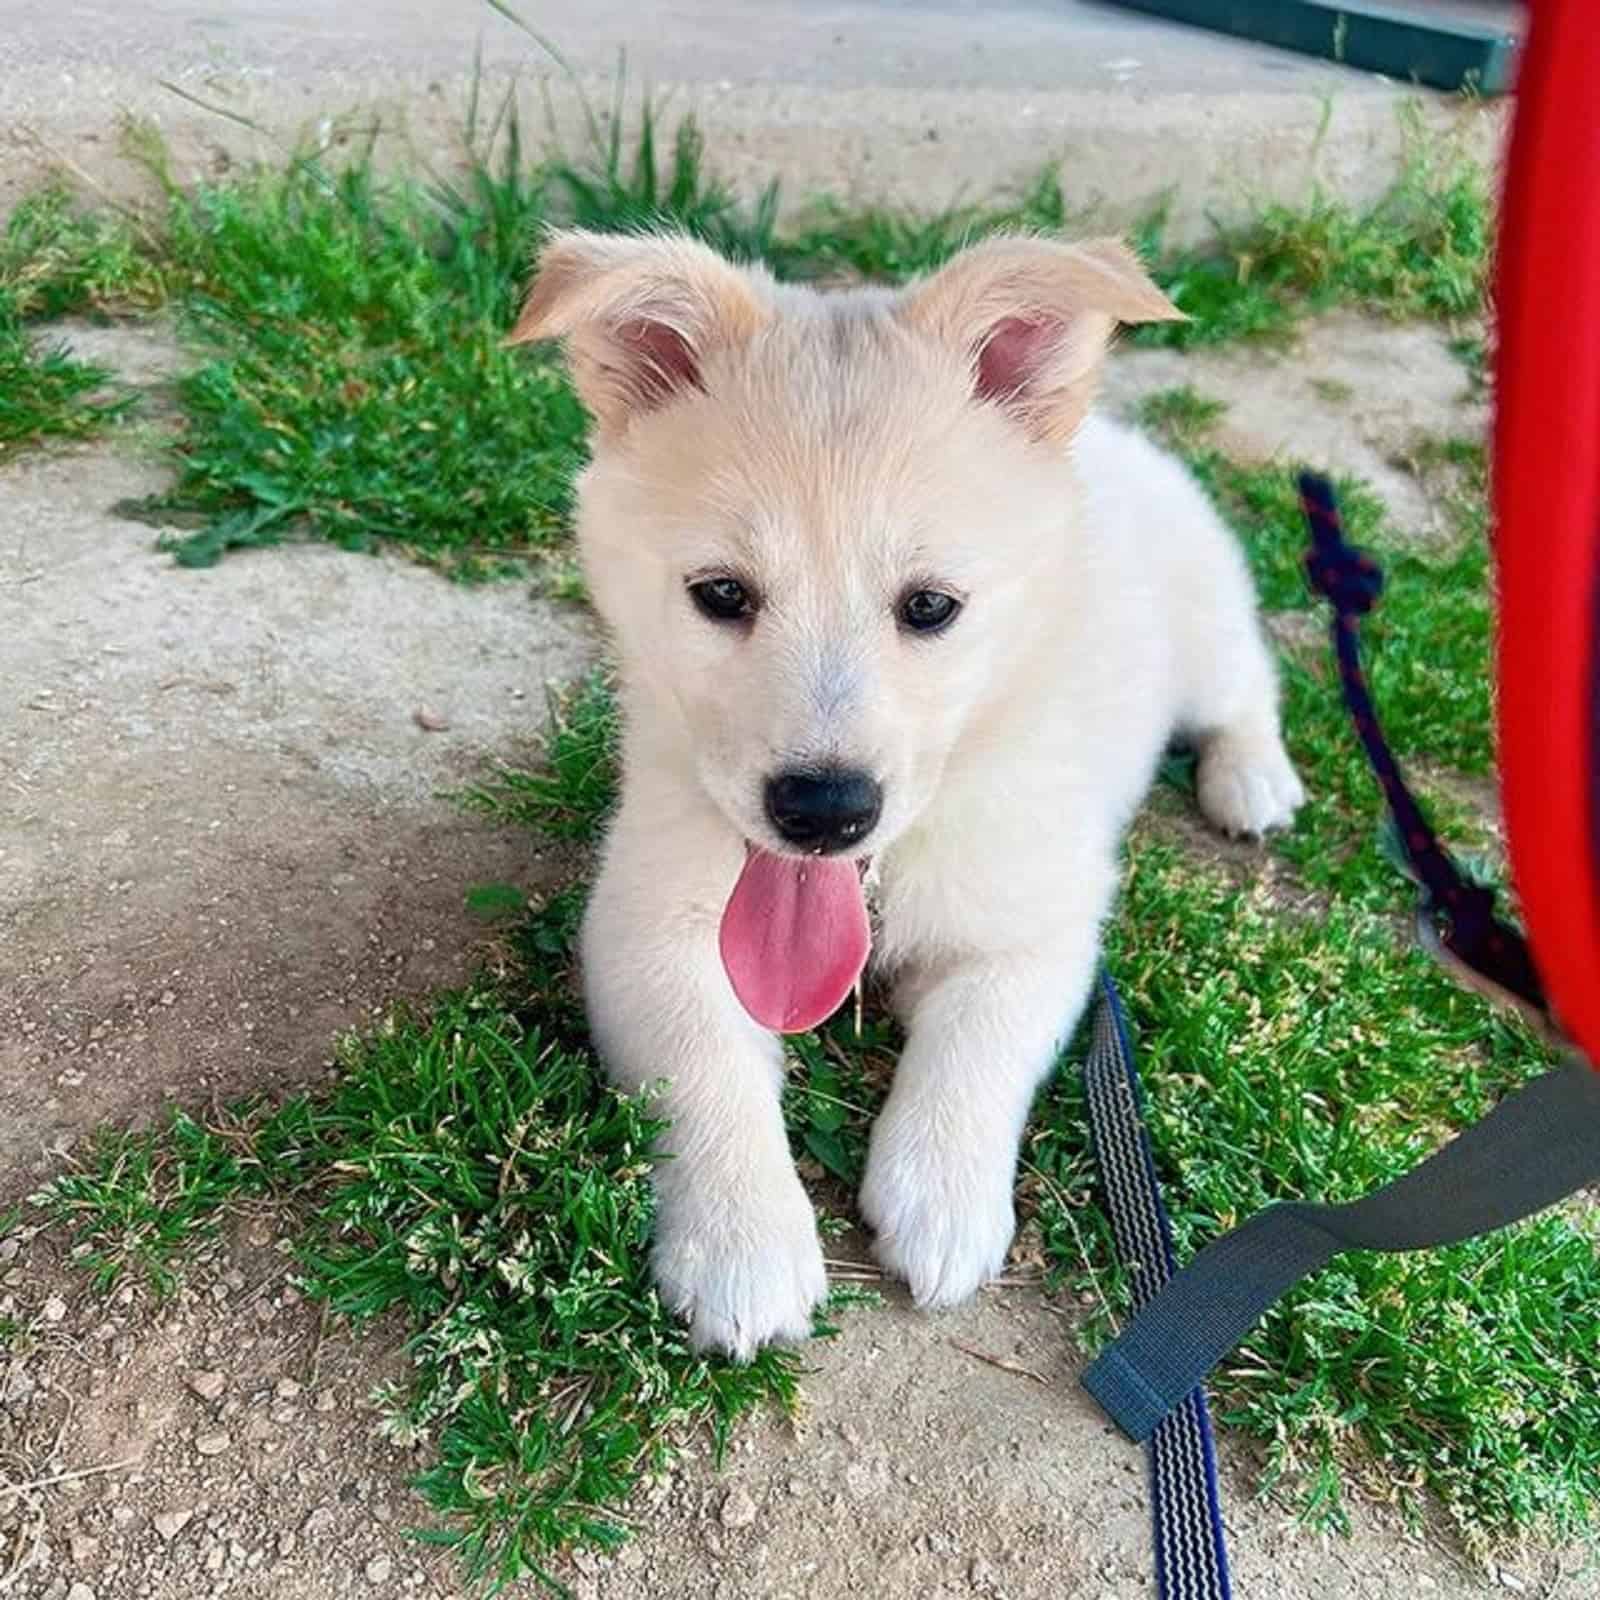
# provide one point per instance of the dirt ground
(224, 837)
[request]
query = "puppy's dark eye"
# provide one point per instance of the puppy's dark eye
(723, 599)
(927, 611)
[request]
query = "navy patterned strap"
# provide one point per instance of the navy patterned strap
(1459, 912)
(1191, 1553)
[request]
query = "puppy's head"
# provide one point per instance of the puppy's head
(823, 527)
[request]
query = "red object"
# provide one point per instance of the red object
(1547, 501)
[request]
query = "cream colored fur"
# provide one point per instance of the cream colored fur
(830, 451)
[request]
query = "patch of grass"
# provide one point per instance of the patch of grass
(570, 795)
(140, 1203)
(58, 259)
(493, 1191)
(1181, 414)
(357, 388)
(1334, 390)
(618, 191)
(1422, 250)
(838, 1077)
(472, 1174)
(55, 259)
(890, 245)
(1291, 1057)
(46, 393)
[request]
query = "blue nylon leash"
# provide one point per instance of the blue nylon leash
(1459, 912)
(1191, 1551)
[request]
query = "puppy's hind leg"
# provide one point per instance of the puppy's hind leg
(1229, 705)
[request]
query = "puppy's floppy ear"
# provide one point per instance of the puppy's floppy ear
(1034, 317)
(640, 314)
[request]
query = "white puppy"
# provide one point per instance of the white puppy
(881, 589)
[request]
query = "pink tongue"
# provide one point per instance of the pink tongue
(794, 937)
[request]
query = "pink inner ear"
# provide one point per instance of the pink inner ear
(661, 359)
(1017, 347)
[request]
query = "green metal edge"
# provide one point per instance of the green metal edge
(1398, 44)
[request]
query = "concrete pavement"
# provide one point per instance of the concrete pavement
(921, 101)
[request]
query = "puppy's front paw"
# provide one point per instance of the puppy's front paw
(742, 1273)
(943, 1215)
(1248, 785)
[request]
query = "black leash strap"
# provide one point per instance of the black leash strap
(1539, 1145)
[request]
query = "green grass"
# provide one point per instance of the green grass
(355, 386)
(1421, 250)
(46, 393)
(140, 1203)
(57, 259)
(493, 1193)
(569, 794)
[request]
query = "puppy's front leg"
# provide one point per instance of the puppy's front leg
(941, 1170)
(736, 1249)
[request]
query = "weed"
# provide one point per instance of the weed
(56, 259)
(1422, 250)
(45, 392)
(604, 191)
(569, 796)
(141, 1202)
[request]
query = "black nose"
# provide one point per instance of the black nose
(826, 810)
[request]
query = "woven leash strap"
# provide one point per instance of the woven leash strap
(1191, 1553)
(1459, 913)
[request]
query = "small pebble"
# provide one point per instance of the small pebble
(208, 1385)
(169, 1524)
(317, 1523)
(738, 1509)
(212, 1444)
(379, 1570)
